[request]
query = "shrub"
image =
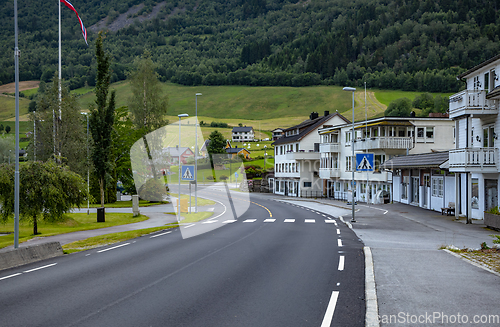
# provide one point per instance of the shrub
(223, 177)
(153, 190)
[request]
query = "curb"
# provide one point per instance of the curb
(371, 318)
(472, 262)
(30, 254)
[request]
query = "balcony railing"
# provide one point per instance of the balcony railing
(472, 102)
(302, 155)
(327, 173)
(329, 147)
(393, 143)
(474, 158)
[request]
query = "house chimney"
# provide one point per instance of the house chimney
(327, 113)
(313, 115)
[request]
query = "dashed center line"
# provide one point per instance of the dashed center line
(341, 263)
(35, 269)
(339, 242)
(112, 248)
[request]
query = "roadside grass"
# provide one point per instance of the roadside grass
(125, 204)
(107, 239)
(195, 216)
(73, 222)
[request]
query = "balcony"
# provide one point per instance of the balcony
(327, 173)
(469, 102)
(476, 160)
(302, 155)
(384, 143)
(329, 147)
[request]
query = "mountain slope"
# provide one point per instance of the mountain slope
(409, 45)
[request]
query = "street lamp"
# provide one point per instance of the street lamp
(352, 89)
(265, 153)
(179, 169)
(196, 156)
(88, 166)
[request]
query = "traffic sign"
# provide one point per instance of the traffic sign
(236, 174)
(364, 161)
(187, 173)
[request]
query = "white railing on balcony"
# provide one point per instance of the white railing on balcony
(399, 143)
(327, 173)
(470, 101)
(329, 147)
(473, 157)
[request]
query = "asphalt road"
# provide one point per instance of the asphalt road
(274, 264)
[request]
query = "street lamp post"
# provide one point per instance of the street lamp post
(196, 156)
(179, 168)
(88, 166)
(352, 89)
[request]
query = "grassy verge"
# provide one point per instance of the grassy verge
(72, 222)
(195, 217)
(126, 204)
(102, 240)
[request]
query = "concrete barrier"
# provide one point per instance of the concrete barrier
(29, 254)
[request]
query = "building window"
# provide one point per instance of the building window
(429, 132)
(420, 132)
(437, 186)
(379, 159)
(348, 163)
(475, 194)
(404, 191)
(307, 184)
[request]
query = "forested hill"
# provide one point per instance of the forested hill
(406, 44)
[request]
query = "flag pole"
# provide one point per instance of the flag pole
(17, 54)
(58, 122)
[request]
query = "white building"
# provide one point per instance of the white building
(296, 156)
(384, 137)
(475, 157)
(243, 134)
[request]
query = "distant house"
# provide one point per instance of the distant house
(243, 134)
(171, 154)
(277, 133)
(236, 151)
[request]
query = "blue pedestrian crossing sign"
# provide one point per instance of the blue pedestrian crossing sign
(187, 173)
(364, 161)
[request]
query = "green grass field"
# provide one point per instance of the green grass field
(73, 222)
(387, 96)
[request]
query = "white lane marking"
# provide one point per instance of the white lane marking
(330, 221)
(339, 242)
(341, 262)
(289, 220)
(338, 284)
(161, 234)
(209, 221)
(13, 275)
(250, 221)
(327, 320)
(35, 269)
(310, 221)
(189, 226)
(338, 231)
(323, 215)
(269, 220)
(211, 209)
(229, 221)
(114, 247)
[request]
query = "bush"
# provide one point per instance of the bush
(223, 177)
(154, 190)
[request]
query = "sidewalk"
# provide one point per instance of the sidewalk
(417, 283)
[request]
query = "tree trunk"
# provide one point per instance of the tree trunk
(101, 186)
(35, 226)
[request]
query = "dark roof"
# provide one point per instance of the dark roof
(242, 129)
(306, 127)
(422, 160)
(481, 65)
(235, 150)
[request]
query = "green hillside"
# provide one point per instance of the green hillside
(411, 45)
